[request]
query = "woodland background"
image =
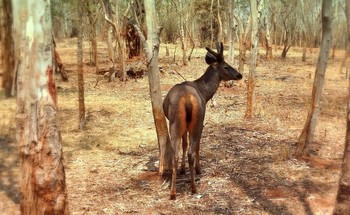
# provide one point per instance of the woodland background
(111, 159)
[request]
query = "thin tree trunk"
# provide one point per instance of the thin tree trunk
(92, 34)
(7, 48)
(220, 36)
(256, 8)
(268, 43)
(334, 48)
(242, 53)
(183, 33)
(43, 186)
(304, 47)
(80, 67)
(231, 32)
(193, 45)
(108, 13)
(307, 134)
(342, 205)
(119, 33)
(151, 47)
(243, 43)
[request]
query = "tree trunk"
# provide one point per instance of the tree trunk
(151, 48)
(80, 67)
(211, 24)
(7, 49)
(183, 33)
(303, 58)
(287, 42)
(120, 36)
(268, 43)
(220, 36)
(92, 33)
(306, 136)
(342, 205)
(43, 186)
(108, 13)
(193, 45)
(242, 49)
(256, 7)
(242, 43)
(274, 30)
(231, 32)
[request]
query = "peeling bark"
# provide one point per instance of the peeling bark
(256, 8)
(307, 134)
(43, 186)
(151, 48)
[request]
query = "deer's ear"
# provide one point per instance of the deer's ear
(210, 58)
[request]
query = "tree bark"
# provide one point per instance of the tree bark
(108, 12)
(92, 33)
(7, 49)
(307, 134)
(243, 42)
(268, 43)
(220, 36)
(80, 67)
(43, 186)
(183, 33)
(342, 205)
(303, 58)
(256, 7)
(231, 32)
(211, 24)
(151, 48)
(120, 36)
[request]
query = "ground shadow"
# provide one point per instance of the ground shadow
(9, 164)
(248, 155)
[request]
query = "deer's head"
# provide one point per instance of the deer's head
(216, 60)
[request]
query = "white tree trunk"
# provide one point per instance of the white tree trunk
(151, 48)
(43, 189)
(256, 9)
(307, 135)
(231, 33)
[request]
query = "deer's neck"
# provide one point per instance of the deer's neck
(208, 83)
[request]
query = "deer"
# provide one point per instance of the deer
(185, 105)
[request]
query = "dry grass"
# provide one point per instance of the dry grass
(247, 168)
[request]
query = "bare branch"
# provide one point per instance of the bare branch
(106, 17)
(136, 24)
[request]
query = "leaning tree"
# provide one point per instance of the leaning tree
(307, 134)
(151, 46)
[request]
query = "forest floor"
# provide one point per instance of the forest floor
(247, 167)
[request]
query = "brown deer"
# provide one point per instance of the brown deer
(185, 105)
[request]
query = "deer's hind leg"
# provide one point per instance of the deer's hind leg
(184, 150)
(193, 156)
(175, 142)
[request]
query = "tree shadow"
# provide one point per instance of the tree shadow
(9, 166)
(247, 155)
